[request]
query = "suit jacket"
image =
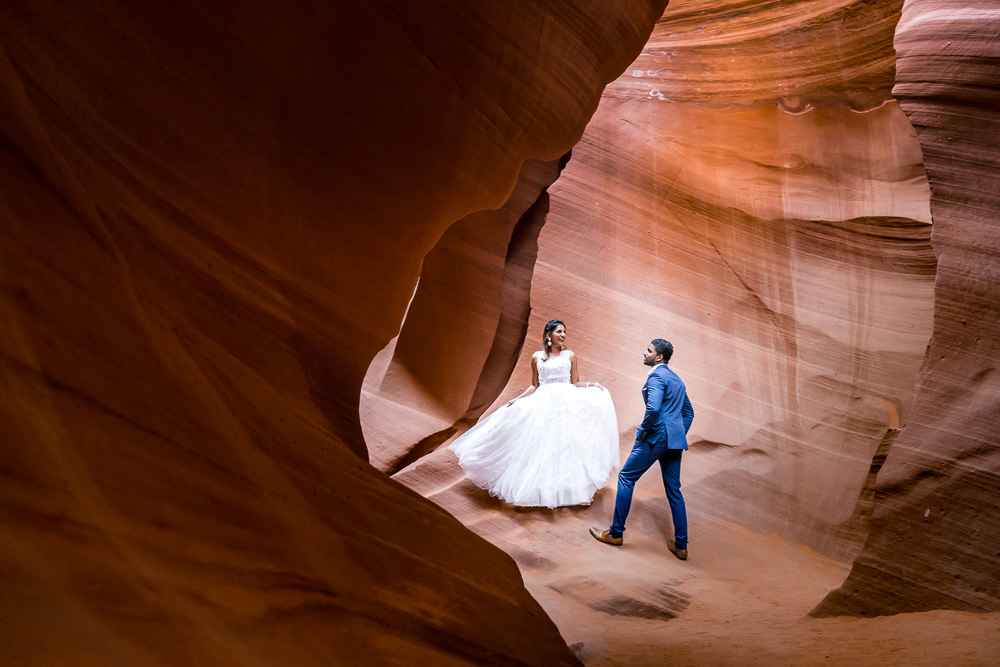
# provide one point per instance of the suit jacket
(668, 411)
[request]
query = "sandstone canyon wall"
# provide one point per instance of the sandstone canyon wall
(750, 189)
(775, 226)
(213, 217)
(463, 327)
(935, 542)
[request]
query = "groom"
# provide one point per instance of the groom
(662, 436)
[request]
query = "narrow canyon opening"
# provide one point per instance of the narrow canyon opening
(770, 215)
(213, 217)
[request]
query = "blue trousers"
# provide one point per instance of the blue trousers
(639, 461)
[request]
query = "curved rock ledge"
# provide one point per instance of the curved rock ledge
(214, 214)
(935, 543)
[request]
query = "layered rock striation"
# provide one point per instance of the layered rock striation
(750, 190)
(935, 543)
(214, 215)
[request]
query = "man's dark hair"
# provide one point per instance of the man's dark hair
(663, 347)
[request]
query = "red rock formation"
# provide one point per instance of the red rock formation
(936, 539)
(834, 312)
(214, 214)
(783, 235)
(463, 330)
(766, 210)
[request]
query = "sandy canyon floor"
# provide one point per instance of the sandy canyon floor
(741, 598)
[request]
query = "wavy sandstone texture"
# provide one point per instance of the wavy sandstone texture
(464, 327)
(750, 189)
(214, 215)
(935, 542)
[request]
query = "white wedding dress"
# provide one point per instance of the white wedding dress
(554, 447)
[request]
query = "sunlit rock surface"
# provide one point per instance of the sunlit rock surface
(213, 217)
(936, 539)
(765, 209)
(751, 189)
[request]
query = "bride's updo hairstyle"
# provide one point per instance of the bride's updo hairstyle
(547, 338)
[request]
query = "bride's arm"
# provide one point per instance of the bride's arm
(575, 378)
(534, 380)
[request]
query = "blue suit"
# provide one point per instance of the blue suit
(661, 436)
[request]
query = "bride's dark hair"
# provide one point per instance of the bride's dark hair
(546, 340)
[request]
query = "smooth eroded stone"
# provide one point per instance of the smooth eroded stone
(214, 214)
(935, 543)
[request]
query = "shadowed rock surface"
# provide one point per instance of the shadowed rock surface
(214, 214)
(935, 543)
(464, 327)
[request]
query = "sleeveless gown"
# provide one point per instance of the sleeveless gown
(554, 447)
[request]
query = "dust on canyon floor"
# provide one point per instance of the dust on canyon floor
(741, 598)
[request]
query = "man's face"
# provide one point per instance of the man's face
(652, 357)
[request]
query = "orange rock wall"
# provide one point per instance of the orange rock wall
(213, 217)
(750, 190)
(463, 329)
(935, 543)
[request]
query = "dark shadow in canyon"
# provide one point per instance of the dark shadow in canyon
(467, 298)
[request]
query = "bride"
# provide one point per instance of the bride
(553, 445)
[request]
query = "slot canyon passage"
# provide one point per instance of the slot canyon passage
(261, 263)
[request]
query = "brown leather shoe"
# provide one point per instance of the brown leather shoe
(680, 553)
(605, 536)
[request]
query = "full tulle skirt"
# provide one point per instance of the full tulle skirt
(552, 448)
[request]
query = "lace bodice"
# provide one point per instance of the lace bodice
(555, 368)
